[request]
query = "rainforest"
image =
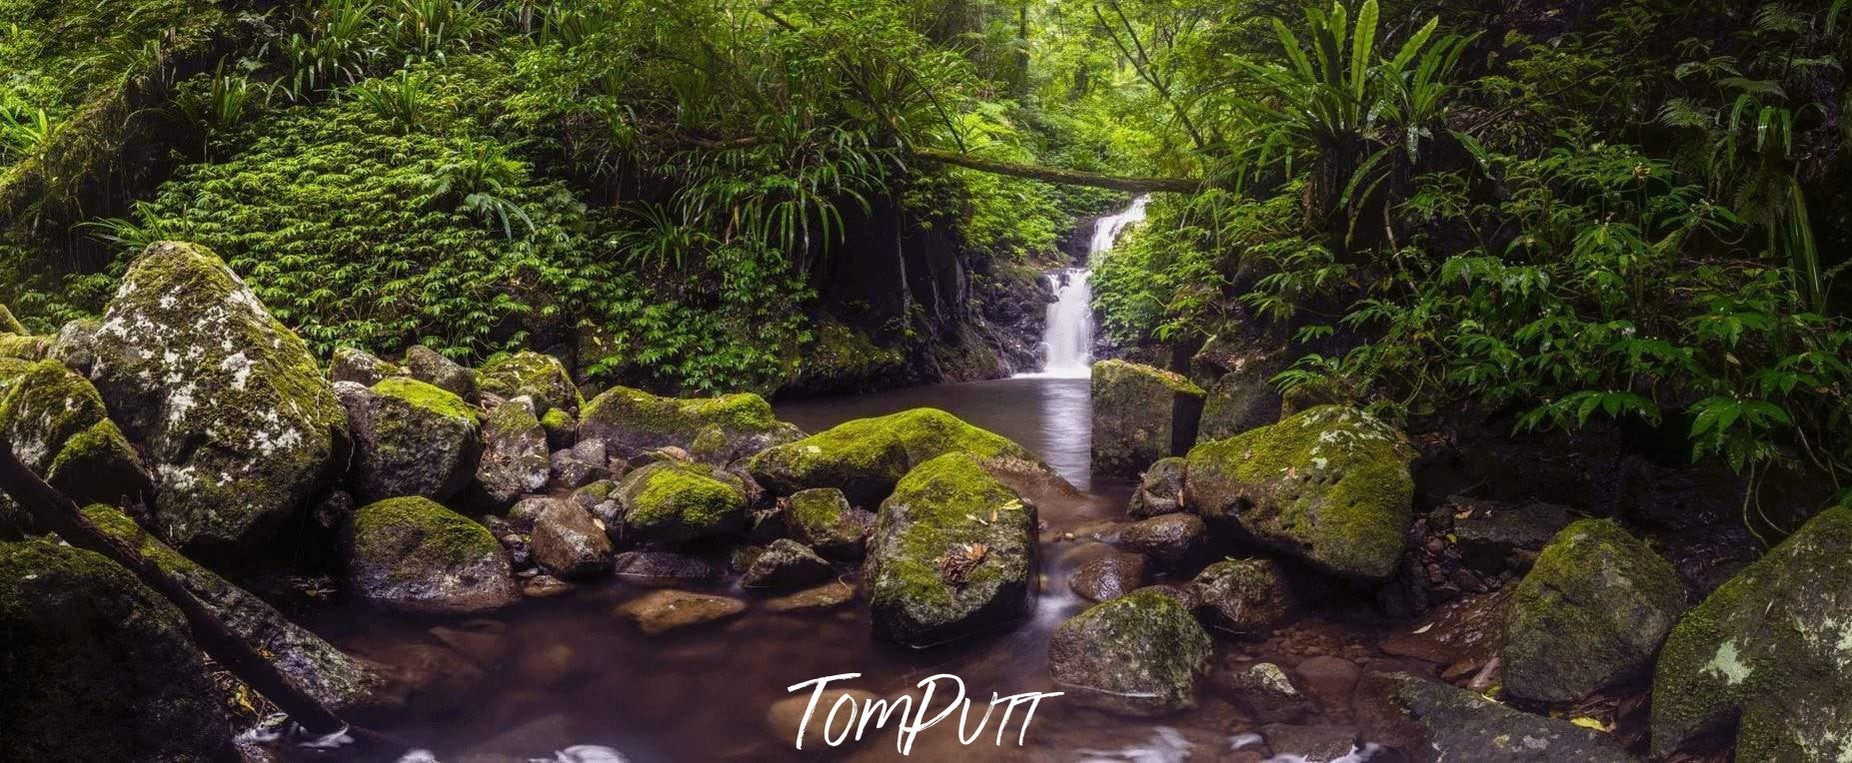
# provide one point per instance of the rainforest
(1255, 380)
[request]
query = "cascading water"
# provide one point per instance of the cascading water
(1067, 339)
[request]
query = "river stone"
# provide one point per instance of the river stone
(1265, 692)
(786, 718)
(1771, 649)
(568, 543)
(1244, 398)
(785, 564)
(674, 502)
(1592, 611)
(1172, 540)
(515, 461)
(1110, 575)
(1139, 654)
(1160, 489)
(360, 367)
(865, 458)
(410, 439)
(1494, 536)
(1245, 597)
(664, 568)
(310, 664)
(414, 555)
(631, 422)
(1134, 416)
(1316, 742)
(537, 376)
(238, 423)
(659, 612)
(823, 519)
(1330, 486)
(1432, 722)
(431, 367)
(95, 666)
(827, 596)
(953, 554)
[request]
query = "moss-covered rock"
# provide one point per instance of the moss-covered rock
(431, 367)
(677, 501)
(1245, 597)
(632, 422)
(98, 465)
(1241, 399)
(11, 369)
(1432, 722)
(310, 664)
(410, 439)
(1139, 654)
(515, 459)
(1330, 485)
(562, 429)
(43, 408)
(1592, 611)
(24, 347)
(953, 553)
(1770, 650)
(239, 426)
(414, 555)
(823, 519)
(1137, 410)
(351, 364)
(864, 458)
(94, 666)
(538, 376)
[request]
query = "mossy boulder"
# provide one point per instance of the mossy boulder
(1592, 611)
(238, 425)
(864, 458)
(562, 429)
(414, 555)
(60, 429)
(953, 554)
(98, 465)
(538, 376)
(1771, 651)
(672, 502)
(632, 422)
(1432, 722)
(1138, 413)
(1140, 654)
(1330, 486)
(94, 666)
(351, 364)
(1244, 597)
(823, 519)
(410, 439)
(10, 371)
(310, 664)
(515, 459)
(431, 367)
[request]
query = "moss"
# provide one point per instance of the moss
(541, 377)
(1119, 371)
(99, 466)
(843, 359)
(676, 502)
(10, 371)
(425, 397)
(435, 532)
(1331, 484)
(1135, 413)
(866, 457)
(632, 422)
(24, 347)
(44, 407)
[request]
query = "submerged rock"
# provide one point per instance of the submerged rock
(414, 555)
(865, 458)
(1266, 693)
(97, 667)
(431, 367)
(312, 665)
(568, 543)
(1160, 489)
(784, 564)
(1329, 485)
(953, 553)
(659, 612)
(1246, 597)
(823, 519)
(360, 367)
(662, 568)
(1139, 654)
(676, 501)
(632, 422)
(827, 596)
(411, 439)
(1136, 416)
(1770, 650)
(1591, 612)
(539, 377)
(515, 460)
(1432, 722)
(239, 425)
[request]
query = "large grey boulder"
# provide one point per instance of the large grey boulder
(1139, 654)
(411, 439)
(536, 376)
(1136, 417)
(431, 367)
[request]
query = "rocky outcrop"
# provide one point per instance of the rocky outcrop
(672, 502)
(823, 519)
(1432, 722)
(865, 458)
(1771, 651)
(1140, 414)
(717, 430)
(239, 426)
(515, 460)
(1245, 597)
(411, 439)
(414, 555)
(1591, 612)
(431, 367)
(1330, 486)
(541, 378)
(97, 667)
(1139, 654)
(953, 553)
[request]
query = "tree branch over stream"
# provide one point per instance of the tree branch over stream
(1061, 176)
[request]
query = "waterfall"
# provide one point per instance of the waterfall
(1067, 338)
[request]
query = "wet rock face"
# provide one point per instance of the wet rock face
(311, 664)
(515, 460)
(98, 667)
(1139, 654)
(785, 564)
(1432, 722)
(414, 555)
(1330, 486)
(717, 430)
(865, 458)
(538, 377)
(568, 543)
(823, 519)
(672, 502)
(239, 426)
(410, 439)
(1160, 489)
(1592, 611)
(429, 366)
(1245, 597)
(1109, 576)
(953, 554)
(1135, 411)
(1771, 649)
